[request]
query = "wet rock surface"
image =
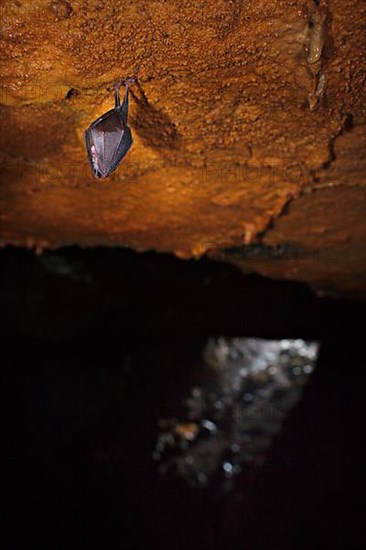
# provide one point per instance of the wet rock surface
(229, 419)
(243, 116)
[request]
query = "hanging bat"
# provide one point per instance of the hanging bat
(109, 138)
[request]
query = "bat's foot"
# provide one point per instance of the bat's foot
(120, 83)
(129, 81)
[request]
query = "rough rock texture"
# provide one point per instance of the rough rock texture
(248, 121)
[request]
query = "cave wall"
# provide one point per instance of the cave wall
(248, 122)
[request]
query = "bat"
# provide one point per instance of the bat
(108, 139)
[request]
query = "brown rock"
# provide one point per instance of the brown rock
(239, 110)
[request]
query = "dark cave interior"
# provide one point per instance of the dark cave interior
(95, 340)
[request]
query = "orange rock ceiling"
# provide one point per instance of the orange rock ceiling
(248, 122)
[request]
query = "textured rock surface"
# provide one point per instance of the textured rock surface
(248, 121)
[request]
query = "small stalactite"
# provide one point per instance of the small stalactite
(315, 46)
